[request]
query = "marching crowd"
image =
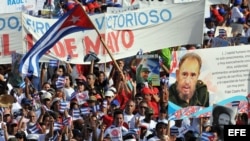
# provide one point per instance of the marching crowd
(107, 104)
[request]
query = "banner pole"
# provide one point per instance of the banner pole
(104, 44)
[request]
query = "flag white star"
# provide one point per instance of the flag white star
(75, 19)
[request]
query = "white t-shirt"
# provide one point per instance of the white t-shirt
(68, 92)
(127, 118)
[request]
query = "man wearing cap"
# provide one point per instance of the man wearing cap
(152, 100)
(161, 132)
(142, 74)
(46, 98)
(109, 96)
(93, 104)
(81, 84)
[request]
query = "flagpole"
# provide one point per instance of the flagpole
(104, 44)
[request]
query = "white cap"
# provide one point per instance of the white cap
(32, 137)
(113, 89)
(109, 93)
(46, 95)
(55, 100)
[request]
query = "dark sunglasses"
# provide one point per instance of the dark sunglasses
(19, 136)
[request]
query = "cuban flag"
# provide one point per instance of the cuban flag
(206, 136)
(34, 129)
(85, 111)
(76, 114)
(105, 104)
(53, 63)
(67, 121)
(235, 104)
(63, 106)
(54, 137)
(95, 108)
(73, 95)
(68, 58)
(60, 82)
(82, 97)
(57, 126)
(46, 108)
(243, 107)
(73, 21)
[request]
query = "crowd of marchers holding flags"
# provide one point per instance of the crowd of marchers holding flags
(115, 100)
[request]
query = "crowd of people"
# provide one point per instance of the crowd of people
(105, 102)
(58, 7)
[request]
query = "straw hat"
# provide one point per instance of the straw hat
(6, 100)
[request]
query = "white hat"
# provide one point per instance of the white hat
(113, 89)
(46, 95)
(55, 100)
(32, 137)
(109, 93)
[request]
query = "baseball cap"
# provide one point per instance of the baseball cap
(46, 95)
(144, 69)
(92, 98)
(55, 100)
(32, 137)
(26, 101)
(146, 90)
(236, 2)
(160, 124)
(51, 91)
(113, 89)
(109, 93)
(115, 102)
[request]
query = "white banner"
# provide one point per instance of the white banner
(225, 71)
(11, 6)
(11, 36)
(124, 33)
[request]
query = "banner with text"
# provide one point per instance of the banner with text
(11, 36)
(225, 71)
(11, 6)
(124, 33)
